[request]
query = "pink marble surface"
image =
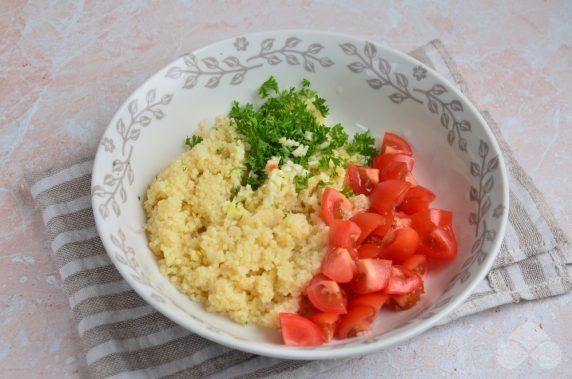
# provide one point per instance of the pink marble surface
(65, 66)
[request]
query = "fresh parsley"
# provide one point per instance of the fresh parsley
(286, 126)
(191, 142)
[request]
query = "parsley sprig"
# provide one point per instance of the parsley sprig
(286, 126)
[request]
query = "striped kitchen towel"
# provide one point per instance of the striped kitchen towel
(124, 337)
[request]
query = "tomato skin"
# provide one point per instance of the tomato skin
(424, 222)
(326, 295)
(327, 322)
(417, 263)
(339, 265)
(372, 275)
(440, 244)
(392, 143)
(362, 179)
(344, 233)
(299, 331)
(369, 250)
(374, 300)
(388, 164)
(400, 244)
(335, 205)
(416, 200)
(356, 322)
(369, 222)
(387, 195)
(403, 281)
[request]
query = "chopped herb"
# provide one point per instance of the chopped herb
(234, 192)
(219, 151)
(191, 142)
(285, 215)
(280, 126)
(301, 182)
(138, 197)
(347, 192)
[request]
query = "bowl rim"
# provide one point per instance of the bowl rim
(287, 352)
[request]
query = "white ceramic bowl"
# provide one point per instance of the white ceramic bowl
(366, 85)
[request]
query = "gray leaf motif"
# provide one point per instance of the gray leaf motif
(369, 50)
(151, 96)
(174, 72)
(451, 137)
(401, 80)
(314, 48)
(473, 218)
(237, 78)
(498, 211)
(292, 42)
(384, 66)
(475, 169)
(273, 59)
(397, 98)
(474, 194)
(326, 62)
(462, 144)
(349, 48)
(267, 44)
(356, 67)
(486, 206)
(488, 185)
(483, 149)
(166, 99)
(144, 120)
(103, 211)
(211, 62)
(309, 66)
(120, 126)
(231, 62)
(292, 59)
(445, 120)
(375, 83)
(456, 105)
(437, 89)
(190, 60)
(190, 82)
(132, 107)
(464, 125)
(493, 164)
(433, 106)
(213, 82)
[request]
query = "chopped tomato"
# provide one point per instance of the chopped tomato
(368, 222)
(416, 200)
(406, 301)
(356, 322)
(388, 164)
(400, 244)
(400, 220)
(424, 222)
(374, 300)
(344, 233)
(362, 179)
(299, 331)
(326, 295)
(440, 244)
(372, 275)
(402, 281)
(369, 250)
(305, 307)
(327, 322)
(392, 143)
(417, 263)
(335, 206)
(387, 195)
(339, 265)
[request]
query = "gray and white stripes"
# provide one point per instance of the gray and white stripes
(124, 337)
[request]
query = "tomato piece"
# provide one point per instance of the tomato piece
(390, 164)
(374, 300)
(402, 281)
(335, 206)
(416, 200)
(305, 307)
(326, 295)
(406, 301)
(387, 195)
(327, 322)
(400, 220)
(356, 322)
(299, 331)
(372, 275)
(362, 179)
(339, 265)
(400, 244)
(417, 263)
(344, 233)
(368, 222)
(424, 222)
(440, 244)
(369, 250)
(392, 143)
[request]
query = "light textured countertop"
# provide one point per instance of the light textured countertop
(65, 66)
